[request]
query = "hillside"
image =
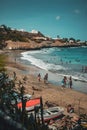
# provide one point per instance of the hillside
(15, 39)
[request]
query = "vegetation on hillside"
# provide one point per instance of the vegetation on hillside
(2, 62)
(7, 34)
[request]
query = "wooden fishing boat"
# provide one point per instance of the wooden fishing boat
(52, 113)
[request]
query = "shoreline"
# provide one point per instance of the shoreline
(56, 78)
(49, 92)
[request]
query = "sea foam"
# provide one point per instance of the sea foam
(40, 63)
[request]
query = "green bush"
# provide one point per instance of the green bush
(2, 62)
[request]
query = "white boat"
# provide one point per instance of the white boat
(52, 113)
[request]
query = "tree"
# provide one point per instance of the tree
(58, 36)
(78, 40)
(6, 28)
(65, 39)
(72, 39)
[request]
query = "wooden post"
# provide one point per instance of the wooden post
(41, 105)
(23, 103)
(79, 106)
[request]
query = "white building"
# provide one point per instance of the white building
(34, 31)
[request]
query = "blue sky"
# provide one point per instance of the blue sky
(66, 18)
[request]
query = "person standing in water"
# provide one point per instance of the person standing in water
(64, 82)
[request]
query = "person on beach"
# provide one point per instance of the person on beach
(70, 109)
(39, 77)
(46, 78)
(61, 61)
(70, 82)
(82, 68)
(64, 81)
(15, 60)
(14, 75)
(85, 69)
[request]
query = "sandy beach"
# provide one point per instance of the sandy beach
(54, 94)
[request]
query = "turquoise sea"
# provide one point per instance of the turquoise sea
(70, 61)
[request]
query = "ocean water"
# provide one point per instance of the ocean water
(60, 61)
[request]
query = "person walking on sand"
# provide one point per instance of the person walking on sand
(14, 75)
(46, 78)
(39, 77)
(70, 82)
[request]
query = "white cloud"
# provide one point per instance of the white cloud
(76, 11)
(57, 17)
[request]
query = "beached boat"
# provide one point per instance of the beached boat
(52, 113)
(48, 114)
(30, 104)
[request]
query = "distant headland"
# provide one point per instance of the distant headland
(13, 39)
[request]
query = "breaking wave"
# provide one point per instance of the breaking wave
(40, 63)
